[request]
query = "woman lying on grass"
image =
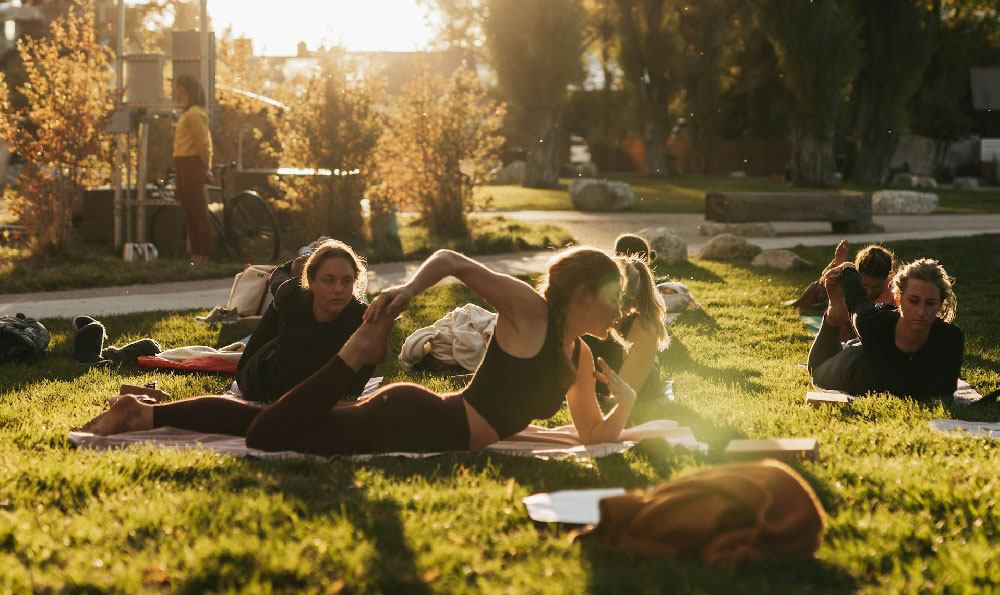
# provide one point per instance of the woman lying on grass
(307, 324)
(643, 325)
(534, 360)
(912, 351)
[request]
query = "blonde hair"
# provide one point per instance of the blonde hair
(930, 271)
(569, 269)
(337, 249)
(643, 298)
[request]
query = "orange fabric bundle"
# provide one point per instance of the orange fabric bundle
(724, 515)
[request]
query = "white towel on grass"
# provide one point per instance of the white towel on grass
(535, 441)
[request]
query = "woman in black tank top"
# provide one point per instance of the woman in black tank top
(534, 360)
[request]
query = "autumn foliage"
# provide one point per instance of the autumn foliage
(59, 133)
(439, 142)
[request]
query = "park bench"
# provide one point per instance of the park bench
(841, 210)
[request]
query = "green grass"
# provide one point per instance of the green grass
(909, 509)
(83, 264)
(686, 194)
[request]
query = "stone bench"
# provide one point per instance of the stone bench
(844, 211)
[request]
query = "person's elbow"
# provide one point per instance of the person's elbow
(598, 434)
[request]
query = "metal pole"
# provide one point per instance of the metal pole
(119, 155)
(140, 202)
(203, 30)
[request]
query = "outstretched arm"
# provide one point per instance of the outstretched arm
(512, 298)
(592, 426)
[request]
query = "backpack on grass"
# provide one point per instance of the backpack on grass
(21, 338)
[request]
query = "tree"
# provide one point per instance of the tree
(651, 53)
(333, 125)
(59, 132)
(818, 51)
(439, 143)
(963, 34)
(535, 47)
(896, 50)
(709, 29)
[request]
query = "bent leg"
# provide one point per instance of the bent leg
(825, 345)
(839, 371)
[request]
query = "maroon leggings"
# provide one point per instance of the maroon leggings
(400, 417)
(191, 194)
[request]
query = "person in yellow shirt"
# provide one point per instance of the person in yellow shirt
(193, 162)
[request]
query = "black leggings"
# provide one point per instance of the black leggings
(833, 366)
(401, 417)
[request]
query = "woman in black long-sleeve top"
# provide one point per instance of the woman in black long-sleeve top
(310, 319)
(912, 350)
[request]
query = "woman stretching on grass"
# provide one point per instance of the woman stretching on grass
(534, 360)
(912, 351)
(643, 325)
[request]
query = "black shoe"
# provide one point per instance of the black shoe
(88, 341)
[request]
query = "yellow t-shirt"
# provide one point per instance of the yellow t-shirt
(192, 136)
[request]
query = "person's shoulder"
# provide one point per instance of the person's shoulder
(290, 294)
(949, 330)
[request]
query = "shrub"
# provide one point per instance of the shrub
(333, 124)
(440, 141)
(58, 132)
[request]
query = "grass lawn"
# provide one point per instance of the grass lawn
(83, 264)
(909, 509)
(686, 194)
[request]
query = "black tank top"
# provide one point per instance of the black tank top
(509, 392)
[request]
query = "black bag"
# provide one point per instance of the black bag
(21, 338)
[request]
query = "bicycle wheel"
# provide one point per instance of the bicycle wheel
(252, 229)
(168, 231)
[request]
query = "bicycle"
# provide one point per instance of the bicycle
(248, 228)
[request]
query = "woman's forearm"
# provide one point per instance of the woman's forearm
(439, 265)
(610, 427)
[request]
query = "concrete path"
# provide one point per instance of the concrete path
(596, 229)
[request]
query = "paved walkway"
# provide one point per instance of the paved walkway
(597, 229)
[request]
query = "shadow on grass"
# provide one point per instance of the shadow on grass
(616, 572)
(685, 271)
(678, 357)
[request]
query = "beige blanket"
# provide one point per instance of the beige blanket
(535, 441)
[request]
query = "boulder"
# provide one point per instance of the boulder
(924, 182)
(903, 202)
(512, 173)
(781, 259)
(726, 246)
(966, 183)
(903, 180)
(589, 194)
(762, 230)
(667, 243)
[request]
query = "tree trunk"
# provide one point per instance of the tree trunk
(542, 165)
(654, 130)
(813, 161)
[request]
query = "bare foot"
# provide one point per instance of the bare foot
(127, 415)
(839, 256)
(369, 344)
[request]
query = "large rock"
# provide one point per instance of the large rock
(904, 202)
(600, 195)
(760, 230)
(781, 259)
(512, 173)
(667, 243)
(726, 246)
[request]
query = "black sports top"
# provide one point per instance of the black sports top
(931, 370)
(509, 392)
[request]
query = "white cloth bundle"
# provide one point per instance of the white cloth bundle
(459, 338)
